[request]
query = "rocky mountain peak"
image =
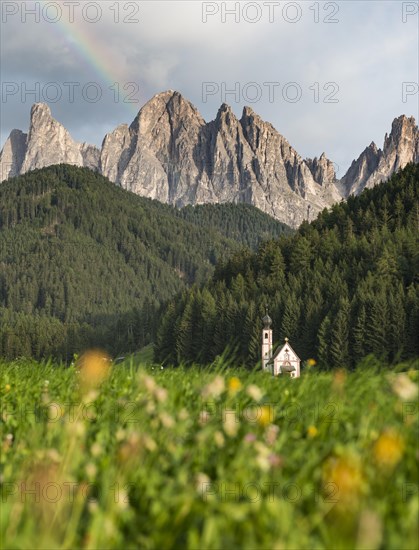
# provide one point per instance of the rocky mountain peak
(404, 132)
(39, 112)
(225, 114)
(374, 165)
(171, 154)
(322, 169)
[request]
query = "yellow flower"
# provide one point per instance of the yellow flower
(234, 385)
(312, 431)
(311, 362)
(94, 368)
(7, 387)
(343, 476)
(265, 415)
(339, 380)
(388, 449)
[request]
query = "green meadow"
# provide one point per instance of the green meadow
(134, 456)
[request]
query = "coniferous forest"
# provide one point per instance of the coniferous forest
(341, 288)
(85, 263)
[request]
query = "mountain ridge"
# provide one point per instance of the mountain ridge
(170, 153)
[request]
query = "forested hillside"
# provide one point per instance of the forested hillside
(84, 262)
(241, 222)
(343, 287)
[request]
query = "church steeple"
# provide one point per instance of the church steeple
(266, 340)
(267, 321)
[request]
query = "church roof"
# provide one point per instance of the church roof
(280, 348)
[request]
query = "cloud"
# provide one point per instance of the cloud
(361, 61)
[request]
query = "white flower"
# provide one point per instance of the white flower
(202, 481)
(214, 388)
(91, 470)
(403, 387)
(231, 423)
(96, 449)
(254, 392)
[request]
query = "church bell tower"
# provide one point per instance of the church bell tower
(266, 341)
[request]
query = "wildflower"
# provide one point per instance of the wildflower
(149, 443)
(250, 438)
(46, 383)
(202, 481)
(120, 434)
(161, 394)
(388, 449)
(312, 431)
(234, 385)
(271, 434)
(204, 417)
(344, 473)
(54, 455)
(94, 368)
(311, 363)
(403, 387)
(7, 387)
(77, 428)
(92, 505)
(130, 449)
(91, 470)
(96, 449)
(122, 499)
(275, 460)
(150, 407)
(166, 420)
(90, 396)
(9, 438)
(55, 412)
(266, 415)
(219, 439)
(231, 423)
(339, 379)
(263, 456)
(254, 392)
(370, 530)
(149, 383)
(214, 388)
(183, 414)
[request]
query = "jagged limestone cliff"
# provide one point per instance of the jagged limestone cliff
(170, 153)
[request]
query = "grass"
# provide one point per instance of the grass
(138, 457)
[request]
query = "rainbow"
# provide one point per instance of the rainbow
(96, 56)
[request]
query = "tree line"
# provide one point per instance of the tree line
(343, 287)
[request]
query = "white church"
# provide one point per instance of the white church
(284, 360)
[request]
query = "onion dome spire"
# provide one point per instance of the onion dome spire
(267, 321)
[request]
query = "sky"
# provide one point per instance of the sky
(329, 76)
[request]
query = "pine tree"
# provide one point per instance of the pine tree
(339, 344)
(358, 336)
(323, 338)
